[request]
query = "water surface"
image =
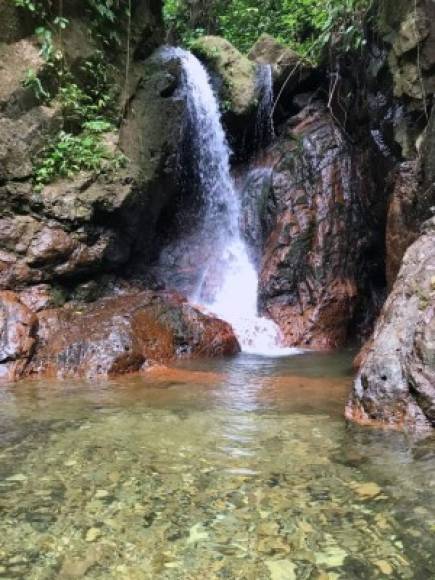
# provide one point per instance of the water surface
(242, 469)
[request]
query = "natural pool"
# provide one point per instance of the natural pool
(239, 469)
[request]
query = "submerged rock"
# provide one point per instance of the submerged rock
(113, 336)
(396, 383)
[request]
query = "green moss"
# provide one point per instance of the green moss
(236, 71)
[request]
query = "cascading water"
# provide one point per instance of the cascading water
(264, 130)
(228, 283)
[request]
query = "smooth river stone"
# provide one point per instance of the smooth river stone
(281, 569)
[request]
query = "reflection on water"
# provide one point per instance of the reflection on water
(237, 469)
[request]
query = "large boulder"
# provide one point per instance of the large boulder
(125, 334)
(287, 65)
(151, 137)
(236, 72)
(396, 383)
(323, 259)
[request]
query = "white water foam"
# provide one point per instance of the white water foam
(234, 298)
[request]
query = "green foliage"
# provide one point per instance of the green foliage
(179, 23)
(106, 17)
(69, 154)
(92, 102)
(98, 83)
(305, 25)
(33, 82)
(36, 7)
(88, 109)
(79, 146)
(45, 40)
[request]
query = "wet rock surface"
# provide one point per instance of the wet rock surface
(403, 220)
(319, 261)
(396, 383)
(18, 328)
(112, 336)
(402, 69)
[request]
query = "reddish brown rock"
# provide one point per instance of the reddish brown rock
(37, 298)
(50, 245)
(318, 264)
(123, 334)
(18, 326)
(33, 251)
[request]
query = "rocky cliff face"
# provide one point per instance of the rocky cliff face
(320, 270)
(69, 240)
(352, 187)
(395, 385)
(73, 229)
(405, 84)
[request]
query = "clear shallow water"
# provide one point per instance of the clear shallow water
(238, 469)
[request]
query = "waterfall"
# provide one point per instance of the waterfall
(228, 281)
(264, 130)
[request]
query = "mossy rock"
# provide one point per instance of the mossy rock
(268, 50)
(16, 23)
(390, 14)
(238, 73)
